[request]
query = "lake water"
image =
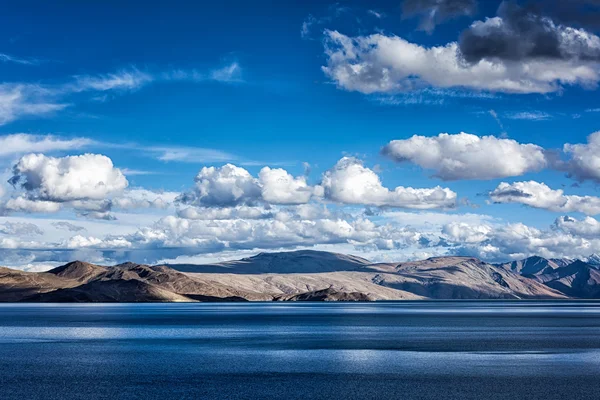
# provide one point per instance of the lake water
(398, 350)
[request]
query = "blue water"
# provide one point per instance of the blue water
(408, 350)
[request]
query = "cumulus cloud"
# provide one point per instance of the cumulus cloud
(588, 227)
(584, 159)
(350, 182)
(539, 195)
(136, 198)
(23, 204)
(271, 233)
(226, 186)
(84, 177)
(517, 241)
(280, 187)
(240, 212)
(466, 156)
(381, 63)
(231, 186)
(434, 12)
(462, 232)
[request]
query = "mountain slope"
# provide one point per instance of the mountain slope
(301, 261)
(593, 260)
(16, 285)
(79, 271)
(534, 265)
(459, 278)
(110, 291)
(579, 279)
(435, 278)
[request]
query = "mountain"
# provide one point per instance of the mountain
(593, 260)
(84, 282)
(459, 278)
(534, 265)
(298, 262)
(16, 285)
(124, 291)
(578, 279)
(291, 276)
(436, 278)
(79, 271)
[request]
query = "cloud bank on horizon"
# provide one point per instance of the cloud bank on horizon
(434, 128)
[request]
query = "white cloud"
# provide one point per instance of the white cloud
(23, 204)
(584, 161)
(306, 26)
(270, 233)
(20, 229)
(20, 100)
(127, 79)
(588, 227)
(230, 186)
(229, 73)
(385, 64)
(84, 177)
(539, 195)
(240, 212)
(466, 156)
(27, 100)
(79, 241)
(18, 60)
(189, 154)
(427, 220)
(529, 115)
(568, 237)
(280, 187)
(350, 182)
(225, 186)
(20, 143)
(462, 232)
(376, 14)
(136, 198)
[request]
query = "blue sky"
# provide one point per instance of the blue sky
(167, 89)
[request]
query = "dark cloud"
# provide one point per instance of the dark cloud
(580, 13)
(434, 12)
(510, 193)
(68, 226)
(525, 32)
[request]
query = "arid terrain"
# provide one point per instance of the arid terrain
(305, 276)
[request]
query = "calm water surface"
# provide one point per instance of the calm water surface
(408, 350)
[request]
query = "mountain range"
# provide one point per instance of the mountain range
(307, 275)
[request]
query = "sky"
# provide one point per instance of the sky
(394, 130)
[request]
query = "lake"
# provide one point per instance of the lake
(403, 350)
